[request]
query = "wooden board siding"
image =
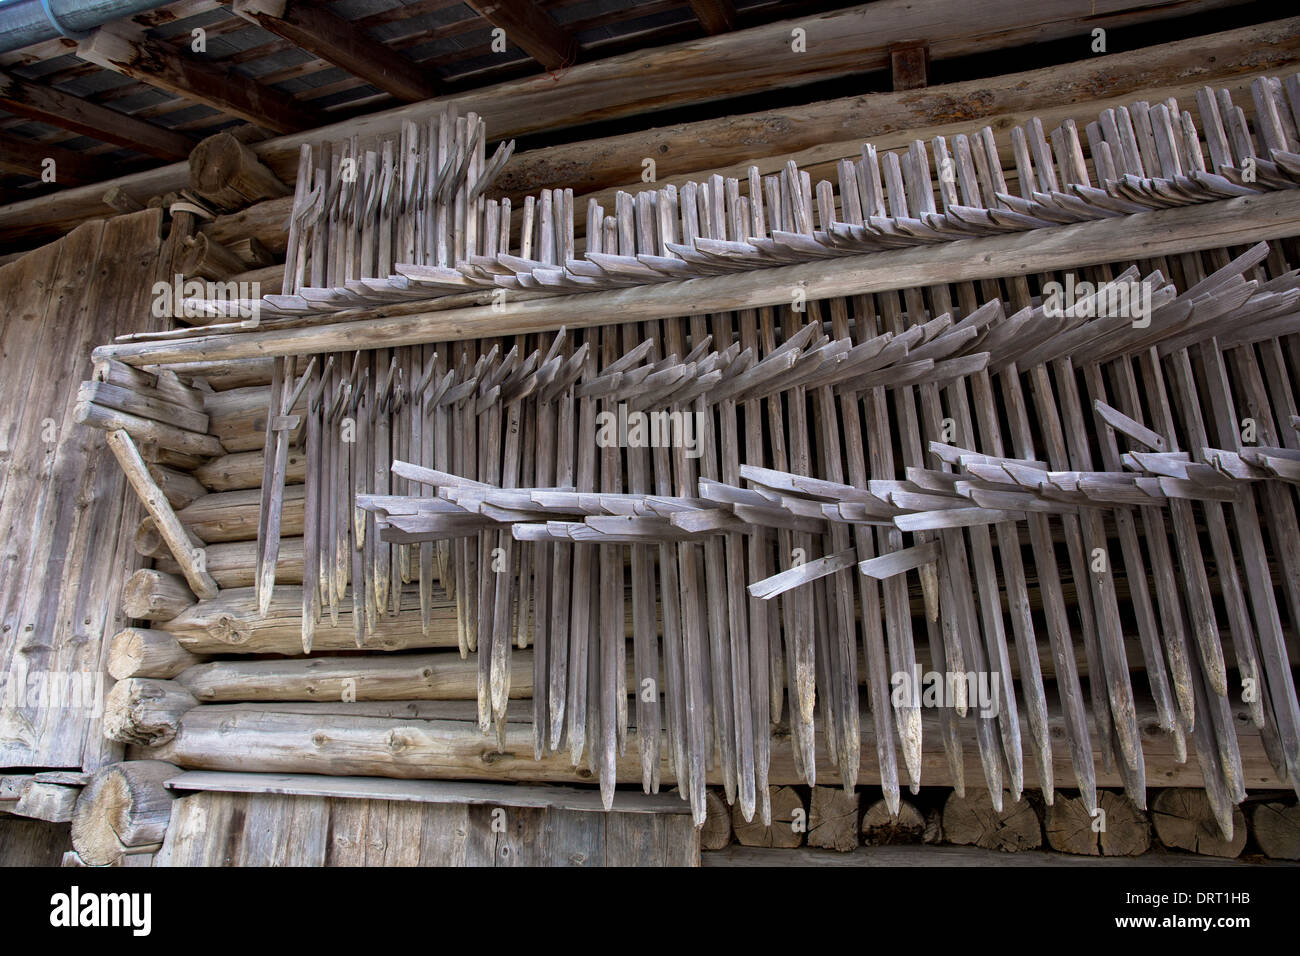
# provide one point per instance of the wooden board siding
(32, 842)
(237, 829)
(65, 516)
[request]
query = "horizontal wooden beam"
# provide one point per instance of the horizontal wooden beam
(1247, 219)
(834, 129)
(28, 157)
(331, 38)
(292, 739)
(57, 108)
(744, 61)
(822, 133)
(531, 29)
(424, 791)
(162, 67)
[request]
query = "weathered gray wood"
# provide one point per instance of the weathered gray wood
(140, 652)
(190, 559)
(1253, 218)
(154, 596)
(50, 802)
(141, 710)
(124, 810)
(400, 677)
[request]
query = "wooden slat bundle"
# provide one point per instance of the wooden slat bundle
(773, 472)
(1144, 157)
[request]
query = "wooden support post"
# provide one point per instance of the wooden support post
(190, 558)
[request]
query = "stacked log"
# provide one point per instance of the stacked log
(976, 819)
(883, 827)
(123, 811)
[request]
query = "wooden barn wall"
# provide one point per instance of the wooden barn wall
(66, 521)
(237, 829)
(33, 842)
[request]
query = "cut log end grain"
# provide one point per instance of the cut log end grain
(1277, 830)
(145, 711)
(789, 821)
(140, 652)
(881, 828)
(226, 172)
(151, 595)
(1120, 829)
(124, 810)
(833, 820)
(716, 832)
(1184, 820)
(972, 821)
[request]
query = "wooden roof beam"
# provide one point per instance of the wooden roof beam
(336, 41)
(160, 66)
(45, 104)
(71, 168)
(716, 16)
(531, 29)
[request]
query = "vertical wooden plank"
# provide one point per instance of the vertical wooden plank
(404, 823)
(633, 839)
(266, 829)
(306, 836)
(526, 840)
(444, 834)
(345, 838)
(576, 838)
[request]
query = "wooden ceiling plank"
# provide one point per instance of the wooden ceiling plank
(335, 40)
(158, 65)
(531, 29)
(36, 101)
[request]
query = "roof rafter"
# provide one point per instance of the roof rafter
(716, 16)
(45, 104)
(27, 156)
(531, 29)
(335, 40)
(162, 67)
